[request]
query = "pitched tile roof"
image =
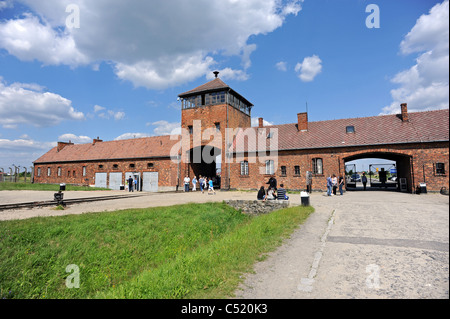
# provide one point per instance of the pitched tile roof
(147, 147)
(430, 126)
(215, 84)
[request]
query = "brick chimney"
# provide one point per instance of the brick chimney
(61, 145)
(96, 140)
(302, 123)
(404, 107)
(260, 122)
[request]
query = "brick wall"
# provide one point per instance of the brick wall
(72, 173)
(416, 160)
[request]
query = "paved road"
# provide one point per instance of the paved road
(361, 245)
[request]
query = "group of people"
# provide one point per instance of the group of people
(272, 192)
(333, 183)
(203, 183)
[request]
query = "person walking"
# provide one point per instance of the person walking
(334, 181)
(329, 185)
(341, 184)
(211, 187)
(186, 183)
(194, 184)
(364, 180)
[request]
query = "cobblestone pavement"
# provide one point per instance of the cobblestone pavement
(361, 245)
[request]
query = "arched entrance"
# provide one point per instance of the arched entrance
(395, 173)
(206, 161)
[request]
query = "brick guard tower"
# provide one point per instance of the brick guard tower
(213, 106)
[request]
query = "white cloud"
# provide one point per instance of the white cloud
(309, 68)
(281, 66)
(425, 85)
(229, 74)
(166, 128)
(74, 138)
(157, 44)
(22, 151)
(28, 40)
(255, 122)
(104, 113)
(20, 104)
(127, 136)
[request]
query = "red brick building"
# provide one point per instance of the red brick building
(217, 140)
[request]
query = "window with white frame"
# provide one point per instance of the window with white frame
(317, 164)
(244, 168)
(270, 167)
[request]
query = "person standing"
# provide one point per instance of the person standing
(201, 182)
(186, 183)
(341, 184)
(364, 180)
(329, 185)
(334, 181)
(130, 184)
(194, 184)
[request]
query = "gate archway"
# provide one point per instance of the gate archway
(403, 166)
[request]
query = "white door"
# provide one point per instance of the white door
(115, 180)
(150, 182)
(100, 180)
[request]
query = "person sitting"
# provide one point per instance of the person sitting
(270, 194)
(281, 193)
(261, 193)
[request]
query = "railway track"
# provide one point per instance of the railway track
(64, 202)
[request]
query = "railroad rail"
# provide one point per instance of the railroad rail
(64, 202)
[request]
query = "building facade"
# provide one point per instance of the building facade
(217, 141)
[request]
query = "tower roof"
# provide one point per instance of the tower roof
(213, 86)
(216, 84)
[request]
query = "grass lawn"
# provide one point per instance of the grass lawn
(183, 251)
(9, 186)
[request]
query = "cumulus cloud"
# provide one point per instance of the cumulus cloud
(104, 113)
(424, 86)
(281, 66)
(255, 122)
(22, 151)
(166, 128)
(309, 68)
(156, 44)
(28, 104)
(69, 137)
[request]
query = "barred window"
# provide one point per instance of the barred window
(283, 170)
(297, 170)
(49, 171)
(59, 171)
(317, 164)
(244, 168)
(440, 169)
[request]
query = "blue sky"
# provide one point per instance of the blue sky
(118, 73)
